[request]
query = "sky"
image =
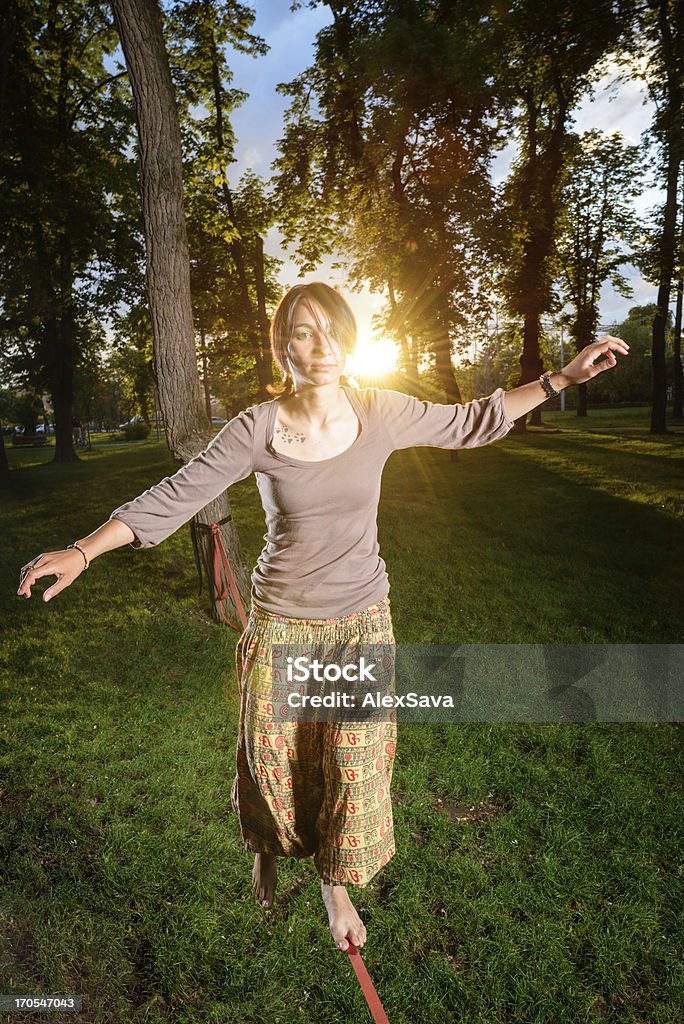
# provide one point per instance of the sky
(258, 125)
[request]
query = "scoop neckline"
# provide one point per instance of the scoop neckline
(358, 410)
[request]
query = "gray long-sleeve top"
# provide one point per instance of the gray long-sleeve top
(321, 558)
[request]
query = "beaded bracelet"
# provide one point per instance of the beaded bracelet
(545, 380)
(79, 548)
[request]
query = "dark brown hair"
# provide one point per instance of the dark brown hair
(340, 326)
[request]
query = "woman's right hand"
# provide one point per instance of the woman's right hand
(66, 565)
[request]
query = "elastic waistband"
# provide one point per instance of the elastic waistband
(369, 612)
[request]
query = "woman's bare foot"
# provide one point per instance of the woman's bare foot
(264, 874)
(345, 924)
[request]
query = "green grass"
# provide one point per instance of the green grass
(538, 868)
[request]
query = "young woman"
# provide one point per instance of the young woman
(318, 450)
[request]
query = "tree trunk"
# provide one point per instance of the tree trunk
(409, 347)
(205, 373)
(583, 331)
(671, 125)
(582, 402)
(441, 345)
(678, 380)
(531, 365)
(4, 461)
(139, 25)
(441, 348)
(678, 390)
(266, 374)
(540, 210)
(666, 269)
(60, 346)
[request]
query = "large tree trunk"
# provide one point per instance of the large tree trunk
(139, 25)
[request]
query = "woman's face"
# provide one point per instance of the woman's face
(313, 356)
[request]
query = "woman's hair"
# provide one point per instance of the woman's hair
(340, 325)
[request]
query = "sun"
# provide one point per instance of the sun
(373, 357)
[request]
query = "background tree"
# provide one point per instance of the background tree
(678, 371)
(657, 43)
(64, 128)
(139, 23)
(598, 228)
(551, 60)
(132, 362)
(634, 384)
(198, 34)
(385, 160)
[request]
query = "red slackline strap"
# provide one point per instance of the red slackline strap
(220, 555)
(372, 998)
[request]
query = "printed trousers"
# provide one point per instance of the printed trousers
(319, 789)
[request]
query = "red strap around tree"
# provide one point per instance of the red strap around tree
(221, 557)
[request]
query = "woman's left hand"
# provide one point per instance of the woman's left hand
(583, 368)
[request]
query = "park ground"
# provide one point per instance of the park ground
(538, 868)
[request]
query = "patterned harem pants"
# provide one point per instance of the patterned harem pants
(313, 788)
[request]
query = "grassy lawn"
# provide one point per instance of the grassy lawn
(538, 868)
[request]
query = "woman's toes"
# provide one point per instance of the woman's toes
(340, 940)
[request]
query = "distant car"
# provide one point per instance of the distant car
(216, 420)
(136, 419)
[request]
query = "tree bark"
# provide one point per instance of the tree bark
(139, 24)
(678, 389)
(670, 43)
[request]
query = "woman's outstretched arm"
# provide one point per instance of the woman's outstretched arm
(69, 563)
(519, 401)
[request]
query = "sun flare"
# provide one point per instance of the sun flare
(374, 357)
